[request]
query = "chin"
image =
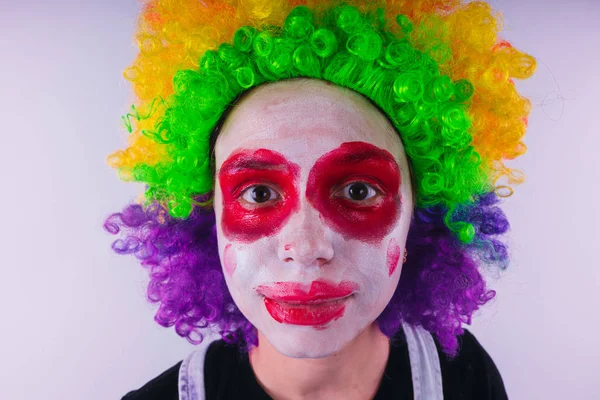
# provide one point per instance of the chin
(308, 341)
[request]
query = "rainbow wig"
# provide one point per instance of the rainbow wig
(435, 68)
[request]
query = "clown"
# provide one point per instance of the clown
(322, 181)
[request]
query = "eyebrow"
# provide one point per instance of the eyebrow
(361, 156)
(259, 165)
(250, 164)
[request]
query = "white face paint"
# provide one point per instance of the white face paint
(311, 246)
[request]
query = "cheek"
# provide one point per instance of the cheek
(229, 259)
(393, 256)
(244, 263)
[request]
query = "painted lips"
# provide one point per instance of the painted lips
(288, 303)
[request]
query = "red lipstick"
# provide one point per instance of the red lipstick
(289, 303)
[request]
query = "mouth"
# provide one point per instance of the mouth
(288, 303)
(316, 313)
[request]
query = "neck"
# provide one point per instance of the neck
(354, 372)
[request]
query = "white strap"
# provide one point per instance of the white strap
(424, 363)
(191, 375)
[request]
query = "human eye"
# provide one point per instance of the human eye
(259, 194)
(359, 191)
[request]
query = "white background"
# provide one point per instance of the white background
(74, 321)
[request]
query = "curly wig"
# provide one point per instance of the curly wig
(435, 68)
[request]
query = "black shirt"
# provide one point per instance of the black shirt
(228, 375)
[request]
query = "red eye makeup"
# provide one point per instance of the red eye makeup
(360, 162)
(354, 187)
(253, 175)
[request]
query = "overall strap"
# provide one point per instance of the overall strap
(424, 363)
(191, 375)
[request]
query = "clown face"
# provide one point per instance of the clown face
(313, 204)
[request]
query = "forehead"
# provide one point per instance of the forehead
(303, 120)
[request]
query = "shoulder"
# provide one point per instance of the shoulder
(166, 385)
(471, 374)
(163, 387)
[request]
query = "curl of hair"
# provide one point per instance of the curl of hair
(186, 279)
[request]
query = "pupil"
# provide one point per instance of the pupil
(260, 194)
(358, 191)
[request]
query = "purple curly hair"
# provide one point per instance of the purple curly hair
(440, 286)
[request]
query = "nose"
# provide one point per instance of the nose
(305, 239)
